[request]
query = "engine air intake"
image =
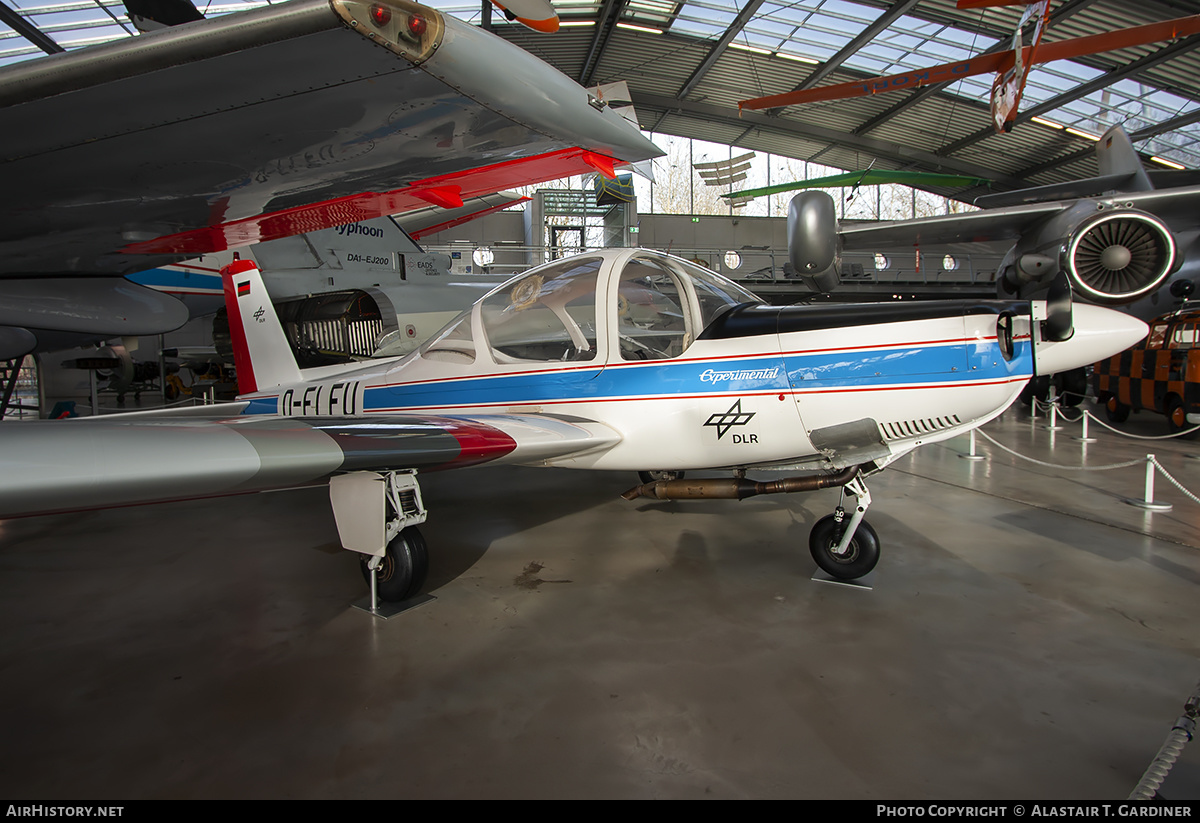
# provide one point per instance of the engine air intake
(1120, 256)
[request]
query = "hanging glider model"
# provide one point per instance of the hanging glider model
(1010, 66)
(863, 177)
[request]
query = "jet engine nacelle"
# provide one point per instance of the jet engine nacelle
(813, 243)
(1111, 255)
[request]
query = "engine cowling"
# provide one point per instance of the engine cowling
(1117, 256)
(813, 244)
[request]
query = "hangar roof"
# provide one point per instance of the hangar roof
(689, 62)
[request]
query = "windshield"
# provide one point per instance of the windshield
(549, 314)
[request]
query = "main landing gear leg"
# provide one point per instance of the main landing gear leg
(846, 550)
(377, 516)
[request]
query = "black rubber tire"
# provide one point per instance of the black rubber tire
(655, 476)
(861, 555)
(1072, 387)
(403, 569)
(1037, 388)
(1116, 411)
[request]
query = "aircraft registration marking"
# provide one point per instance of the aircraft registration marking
(333, 400)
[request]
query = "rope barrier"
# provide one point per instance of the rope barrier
(1174, 482)
(1108, 467)
(1147, 788)
(1182, 433)
(1150, 460)
(1062, 412)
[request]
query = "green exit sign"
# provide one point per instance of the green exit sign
(634, 229)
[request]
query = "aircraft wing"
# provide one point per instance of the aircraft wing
(969, 227)
(1178, 207)
(432, 220)
(261, 124)
(99, 462)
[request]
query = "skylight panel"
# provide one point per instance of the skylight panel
(795, 15)
(850, 11)
(969, 40)
(704, 6)
(900, 40)
(658, 12)
(698, 28)
(778, 28)
(884, 53)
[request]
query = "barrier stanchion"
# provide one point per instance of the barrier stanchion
(1053, 427)
(973, 455)
(1148, 500)
(1083, 437)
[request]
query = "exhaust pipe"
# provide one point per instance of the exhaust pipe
(737, 488)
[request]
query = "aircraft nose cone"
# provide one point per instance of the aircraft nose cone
(1099, 333)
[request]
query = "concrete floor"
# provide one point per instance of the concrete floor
(1028, 636)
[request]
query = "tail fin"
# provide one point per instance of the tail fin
(1116, 155)
(260, 350)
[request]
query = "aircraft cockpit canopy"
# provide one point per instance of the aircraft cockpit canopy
(655, 306)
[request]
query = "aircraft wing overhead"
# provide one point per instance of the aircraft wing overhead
(969, 227)
(293, 117)
(1176, 206)
(119, 461)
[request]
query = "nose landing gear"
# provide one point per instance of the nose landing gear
(845, 549)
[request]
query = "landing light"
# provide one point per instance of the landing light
(381, 15)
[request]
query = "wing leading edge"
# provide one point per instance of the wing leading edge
(91, 463)
(293, 117)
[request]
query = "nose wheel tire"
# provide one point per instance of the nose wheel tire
(403, 568)
(860, 557)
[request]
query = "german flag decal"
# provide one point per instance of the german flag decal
(243, 289)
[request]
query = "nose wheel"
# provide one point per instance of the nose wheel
(846, 547)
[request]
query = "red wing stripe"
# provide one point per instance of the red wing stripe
(480, 443)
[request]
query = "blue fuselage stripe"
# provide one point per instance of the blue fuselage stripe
(803, 372)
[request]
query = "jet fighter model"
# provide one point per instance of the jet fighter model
(219, 133)
(625, 359)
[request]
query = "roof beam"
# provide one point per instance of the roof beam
(719, 47)
(884, 149)
(27, 30)
(1082, 90)
(606, 22)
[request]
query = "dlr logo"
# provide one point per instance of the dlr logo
(745, 438)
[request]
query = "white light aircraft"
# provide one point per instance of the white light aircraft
(625, 359)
